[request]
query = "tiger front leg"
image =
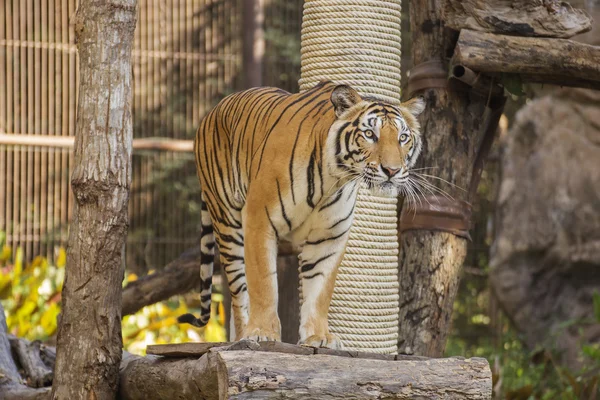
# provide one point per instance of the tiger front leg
(319, 264)
(261, 275)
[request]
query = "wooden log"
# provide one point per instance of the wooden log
(540, 60)
(180, 276)
(250, 375)
(279, 370)
(11, 385)
(541, 18)
(182, 379)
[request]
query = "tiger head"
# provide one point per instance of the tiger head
(375, 141)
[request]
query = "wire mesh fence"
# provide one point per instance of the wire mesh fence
(187, 56)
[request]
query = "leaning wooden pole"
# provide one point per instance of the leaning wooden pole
(89, 336)
(434, 233)
(358, 43)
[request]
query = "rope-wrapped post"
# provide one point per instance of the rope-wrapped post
(357, 42)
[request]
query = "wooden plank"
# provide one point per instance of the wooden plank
(282, 347)
(198, 349)
(183, 349)
(556, 61)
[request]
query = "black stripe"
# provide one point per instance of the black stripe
(310, 266)
(230, 239)
(343, 219)
(230, 257)
(313, 275)
(308, 114)
(241, 288)
(332, 202)
(338, 138)
(205, 298)
(327, 239)
(285, 217)
(238, 276)
(310, 180)
(206, 230)
(271, 222)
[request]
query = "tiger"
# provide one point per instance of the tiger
(274, 165)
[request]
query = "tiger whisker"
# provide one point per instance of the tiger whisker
(440, 179)
(431, 186)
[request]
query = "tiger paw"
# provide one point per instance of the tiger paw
(261, 335)
(328, 341)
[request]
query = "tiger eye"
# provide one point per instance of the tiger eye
(403, 137)
(369, 134)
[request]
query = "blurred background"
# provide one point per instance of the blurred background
(529, 299)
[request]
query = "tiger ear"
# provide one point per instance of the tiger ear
(415, 106)
(343, 97)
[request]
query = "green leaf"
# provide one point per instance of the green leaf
(596, 299)
(513, 84)
(592, 351)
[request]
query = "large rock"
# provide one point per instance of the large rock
(546, 257)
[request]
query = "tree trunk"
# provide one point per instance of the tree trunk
(89, 336)
(453, 130)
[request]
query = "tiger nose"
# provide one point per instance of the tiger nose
(390, 171)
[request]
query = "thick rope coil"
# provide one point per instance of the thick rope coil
(357, 42)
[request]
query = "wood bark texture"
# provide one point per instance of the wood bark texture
(453, 129)
(548, 18)
(89, 336)
(556, 61)
(249, 370)
(430, 266)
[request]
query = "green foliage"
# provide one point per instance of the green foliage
(481, 330)
(596, 302)
(513, 84)
(31, 297)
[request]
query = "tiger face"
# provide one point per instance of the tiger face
(375, 141)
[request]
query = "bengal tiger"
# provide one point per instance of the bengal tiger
(275, 165)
